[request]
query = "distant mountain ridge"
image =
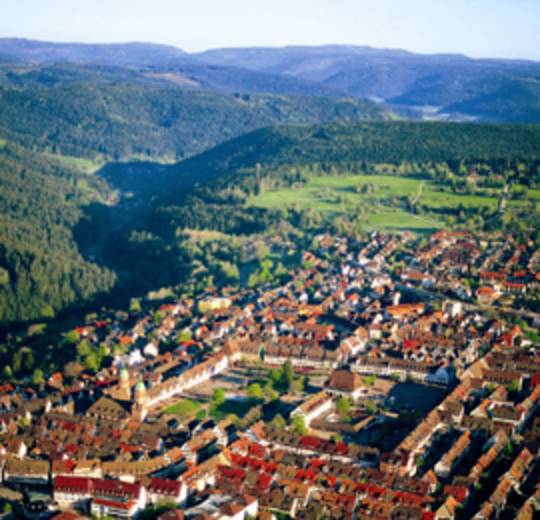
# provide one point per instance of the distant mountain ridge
(114, 54)
(157, 59)
(426, 86)
(442, 83)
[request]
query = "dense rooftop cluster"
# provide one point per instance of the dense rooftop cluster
(360, 324)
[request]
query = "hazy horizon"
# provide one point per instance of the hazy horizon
(285, 46)
(477, 29)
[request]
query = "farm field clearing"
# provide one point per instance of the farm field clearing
(378, 195)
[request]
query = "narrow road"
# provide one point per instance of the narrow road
(419, 194)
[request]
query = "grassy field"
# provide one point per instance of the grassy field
(3, 143)
(380, 198)
(322, 193)
(79, 163)
(183, 408)
(402, 220)
(534, 194)
(377, 194)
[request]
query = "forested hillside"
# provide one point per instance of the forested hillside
(372, 142)
(517, 100)
(41, 269)
(60, 123)
(45, 201)
(120, 121)
(260, 181)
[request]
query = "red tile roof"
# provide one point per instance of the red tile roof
(163, 486)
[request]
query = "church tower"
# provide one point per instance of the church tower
(139, 410)
(123, 379)
(140, 394)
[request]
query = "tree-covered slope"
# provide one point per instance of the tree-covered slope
(22, 76)
(119, 121)
(41, 269)
(53, 216)
(512, 101)
(43, 202)
(350, 143)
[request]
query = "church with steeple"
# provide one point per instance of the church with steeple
(129, 395)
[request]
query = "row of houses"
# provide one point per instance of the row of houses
(106, 497)
(404, 369)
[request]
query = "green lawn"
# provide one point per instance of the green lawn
(387, 184)
(183, 408)
(3, 143)
(321, 192)
(435, 198)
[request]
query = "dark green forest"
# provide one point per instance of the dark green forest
(387, 142)
(103, 121)
(41, 269)
(55, 217)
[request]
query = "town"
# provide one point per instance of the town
(388, 377)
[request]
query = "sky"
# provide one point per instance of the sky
(478, 28)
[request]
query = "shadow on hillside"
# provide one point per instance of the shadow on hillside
(102, 232)
(105, 234)
(136, 178)
(135, 185)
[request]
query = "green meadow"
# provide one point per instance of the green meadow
(183, 408)
(378, 195)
